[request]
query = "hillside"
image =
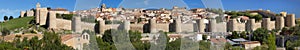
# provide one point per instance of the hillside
(17, 23)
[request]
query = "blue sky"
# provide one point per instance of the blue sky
(13, 7)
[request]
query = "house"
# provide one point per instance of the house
(251, 44)
(77, 41)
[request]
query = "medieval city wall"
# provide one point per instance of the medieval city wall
(268, 24)
(279, 22)
(290, 20)
(43, 13)
(189, 27)
(22, 13)
(137, 27)
(233, 25)
(251, 25)
(63, 24)
(29, 13)
(162, 27)
(87, 26)
(221, 27)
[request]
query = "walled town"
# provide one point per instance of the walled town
(198, 24)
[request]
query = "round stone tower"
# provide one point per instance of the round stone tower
(76, 25)
(212, 25)
(22, 13)
(279, 22)
(153, 25)
(178, 25)
(250, 25)
(52, 20)
(126, 25)
(101, 26)
(37, 13)
(201, 25)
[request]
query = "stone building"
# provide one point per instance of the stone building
(77, 41)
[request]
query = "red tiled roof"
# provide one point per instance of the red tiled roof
(218, 40)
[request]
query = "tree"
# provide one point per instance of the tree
(227, 46)
(5, 18)
(260, 48)
(260, 34)
(102, 45)
(204, 37)
(291, 44)
(243, 35)
(135, 36)
(204, 45)
(107, 37)
(271, 42)
(11, 17)
(5, 32)
(258, 17)
(7, 46)
(174, 45)
(234, 35)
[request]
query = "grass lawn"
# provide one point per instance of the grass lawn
(16, 23)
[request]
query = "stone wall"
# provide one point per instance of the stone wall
(29, 13)
(37, 16)
(22, 13)
(221, 27)
(137, 27)
(201, 25)
(78, 26)
(290, 20)
(63, 24)
(233, 25)
(162, 27)
(268, 24)
(189, 27)
(251, 25)
(279, 22)
(51, 21)
(43, 13)
(87, 26)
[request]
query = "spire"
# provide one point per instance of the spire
(38, 5)
(103, 5)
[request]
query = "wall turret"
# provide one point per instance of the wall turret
(152, 23)
(76, 26)
(178, 24)
(201, 25)
(279, 24)
(101, 26)
(266, 23)
(37, 13)
(22, 13)
(52, 20)
(212, 25)
(290, 20)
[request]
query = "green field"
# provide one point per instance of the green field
(16, 23)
